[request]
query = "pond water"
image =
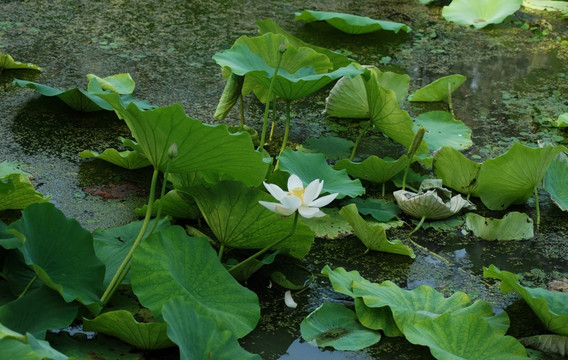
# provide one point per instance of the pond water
(516, 80)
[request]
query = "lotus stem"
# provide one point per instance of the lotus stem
(363, 131)
(124, 266)
(537, 208)
(383, 190)
(257, 254)
(162, 193)
(416, 141)
(220, 254)
(267, 105)
(286, 133)
(273, 120)
(28, 286)
(429, 252)
(418, 226)
(242, 103)
(450, 100)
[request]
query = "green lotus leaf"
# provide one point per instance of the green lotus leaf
(380, 209)
(302, 70)
(231, 94)
(17, 346)
(548, 343)
(547, 5)
(333, 147)
(16, 190)
(562, 121)
(201, 147)
(443, 130)
(113, 244)
(373, 168)
(331, 226)
(439, 89)
(39, 310)
(119, 83)
(9, 238)
(61, 253)
(464, 337)
(512, 177)
(336, 326)
(269, 26)
(174, 204)
(197, 335)
(456, 171)
(126, 159)
(351, 24)
(121, 324)
(480, 13)
(237, 219)
(555, 181)
(387, 116)
(374, 237)
(309, 167)
(513, 226)
(431, 201)
(77, 99)
(550, 307)
(170, 262)
(7, 62)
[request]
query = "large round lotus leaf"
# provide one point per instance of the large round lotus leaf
(439, 89)
(237, 219)
(351, 24)
(443, 130)
(336, 326)
(39, 310)
(170, 264)
(374, 237)
(373, 168)
(201, 147)
(512, 177)
(480, 13)
(550, 307)
(513, 226)
(463, 337)
(121, 324)
(302, 70)
(61, 253)
(309, 167)
(198, 337)
(555, 181)
(456, 171)
(330, 226)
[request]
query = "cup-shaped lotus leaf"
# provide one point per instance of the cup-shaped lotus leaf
(431, 202)
(302, 70)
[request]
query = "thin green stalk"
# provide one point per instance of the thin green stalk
(286, 134)
(111, 288)
(405, 175)
(418, 226)
(257, 254)
(220, 255)
(429, 252)
(162, 193)
(383, 190)
(450, 100)
(267, 106)
(416, 141)
(537, 208)
(273, 119)
(242, 102)
(363, 131)
(28, 286)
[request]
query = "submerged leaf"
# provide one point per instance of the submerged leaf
(550, 307)
(480, 13)
(439, 89)
(351, 24)
(513, 226)
(373, 236)
(336, 326)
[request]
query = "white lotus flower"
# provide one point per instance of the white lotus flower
(298, 198)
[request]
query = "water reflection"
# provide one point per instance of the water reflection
(302, 350)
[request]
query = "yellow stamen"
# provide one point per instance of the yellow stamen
(299, 192)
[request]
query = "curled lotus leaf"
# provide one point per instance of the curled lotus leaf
(480, 13)
(7, 62)
(351, 24)
(431, 202)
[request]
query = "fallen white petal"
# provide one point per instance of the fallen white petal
(289, 301)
